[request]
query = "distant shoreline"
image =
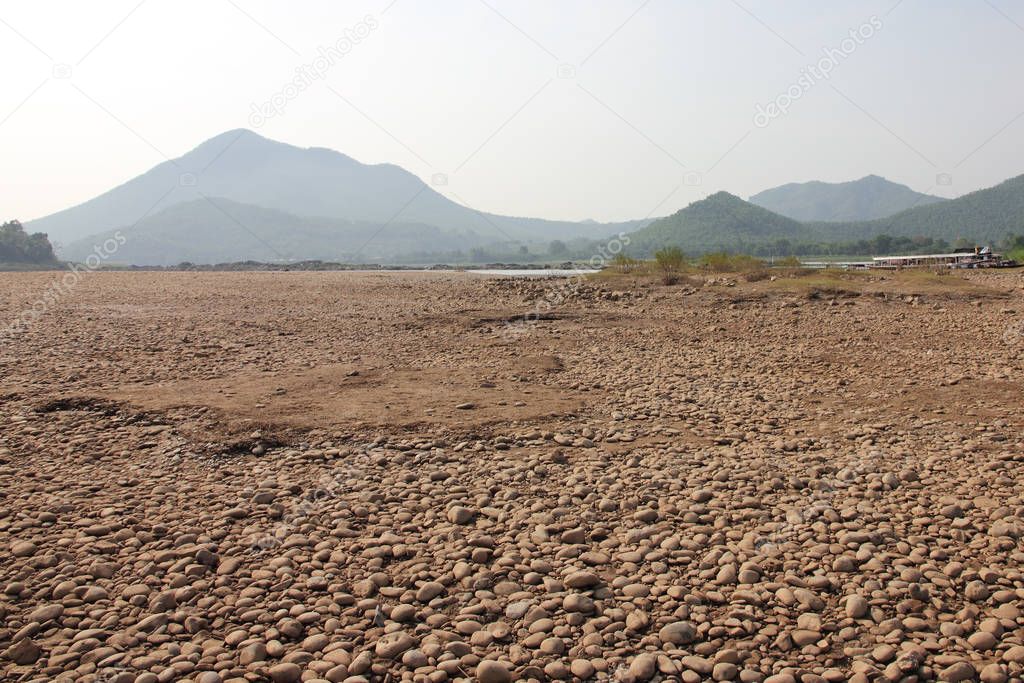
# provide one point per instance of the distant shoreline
(306, 266)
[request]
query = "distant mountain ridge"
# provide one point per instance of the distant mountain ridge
(868, 198)
(243, 167)
(240, 196)
(985, 216)
(218, 230)
(725, 222)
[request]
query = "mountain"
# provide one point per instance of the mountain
(866, 199)
(721, 221)
(725, 222)
(243, 167)
(218, 230)
(985, 216)
(240, 196)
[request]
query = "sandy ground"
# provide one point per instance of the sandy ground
(372, 476)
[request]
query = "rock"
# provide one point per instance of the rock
(582, 669)
(651, 485)
(403, 613)
(994, 673)
(1014, 655)
(45, 613)
(581, 579)
(678, 633)
(576, 602)
(23, 548)
(856, 607)
(961, 671)
(257, 652)
(284, 673)
(393, 644)
(429, 590)
(23, 652)
(490, 671)
(460, 515)
(976, 591)
(724, 671)
(802, 637)
(643, 667)
(414, 659)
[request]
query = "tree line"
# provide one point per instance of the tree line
(17, 246)
(880, 245)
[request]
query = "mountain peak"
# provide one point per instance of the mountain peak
(232, 137)
(719, 221)
(722, 196)
(868, 198)
(261, 176)
(235, 140)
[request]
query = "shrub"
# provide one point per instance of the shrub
(670, 261)
(624, 263)
(722, 262)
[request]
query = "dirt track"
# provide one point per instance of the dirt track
(347, 476)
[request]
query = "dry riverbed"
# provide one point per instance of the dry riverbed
(355, 477)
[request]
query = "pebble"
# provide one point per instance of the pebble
(490, 671)
(724, 496)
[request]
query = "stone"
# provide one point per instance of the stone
(581, 579)
(643, 667)
(285, 672)
(678, 633)
(460, 515)
(393, 644)
(961, 671)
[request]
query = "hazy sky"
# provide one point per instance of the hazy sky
(572, 109)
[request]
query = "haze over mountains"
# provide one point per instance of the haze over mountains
(239, 196)
(218, 230)
(726, 222)
(303, 188)
(866, 199)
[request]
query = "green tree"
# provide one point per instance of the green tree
(16, 246)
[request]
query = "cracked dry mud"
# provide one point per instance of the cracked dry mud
(359, 477)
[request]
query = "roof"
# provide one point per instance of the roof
(915, 257)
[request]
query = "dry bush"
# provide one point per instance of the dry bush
(670, 262)
(626, 264)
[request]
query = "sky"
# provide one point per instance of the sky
(575, 109)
